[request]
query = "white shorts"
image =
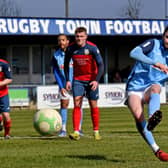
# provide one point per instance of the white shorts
(139, 93)
(65, 96)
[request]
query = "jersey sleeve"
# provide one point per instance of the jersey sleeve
(147, 46)
(57, 73)
(140, 52)
(7, 71)
(99, 62)
(67, 59)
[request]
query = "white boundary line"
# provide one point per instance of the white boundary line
(85, 136)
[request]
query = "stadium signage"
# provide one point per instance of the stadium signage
(115, 95)
(48, 96)
(52, 26)
(111, 95)
(19, 97)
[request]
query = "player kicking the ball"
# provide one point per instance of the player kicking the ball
(144, 86)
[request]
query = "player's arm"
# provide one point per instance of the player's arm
(66, 63)
(57, 73)
(100, 66)
(5, 82)
(140, 52)
(66, 68)
(99, 62)
(8, 76)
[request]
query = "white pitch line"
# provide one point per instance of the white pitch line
(85, 136)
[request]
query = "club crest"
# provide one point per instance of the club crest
(86, 52)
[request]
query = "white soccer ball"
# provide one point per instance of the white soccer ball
(47, 122)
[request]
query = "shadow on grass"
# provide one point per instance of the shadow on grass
(94, 157)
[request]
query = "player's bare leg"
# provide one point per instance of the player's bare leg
(152, 97)
(135, 105)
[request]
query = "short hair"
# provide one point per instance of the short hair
(165, 30)
(80, 29)
(63, 35)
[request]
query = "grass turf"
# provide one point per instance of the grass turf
(121, 146)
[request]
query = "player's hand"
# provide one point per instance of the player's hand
(162, 67)
(94, 85)
(68, 86)
(64, 92)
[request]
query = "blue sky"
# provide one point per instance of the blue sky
(89, 8)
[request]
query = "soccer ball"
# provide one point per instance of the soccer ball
(47, 122)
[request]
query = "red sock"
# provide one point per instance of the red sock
(95, 118)
(7, 126)
(1, 118)
(76, 118)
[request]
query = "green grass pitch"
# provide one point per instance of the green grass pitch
(121, 146)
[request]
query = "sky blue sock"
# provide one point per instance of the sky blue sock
(63, 112)
(147, 135)
(154, 103)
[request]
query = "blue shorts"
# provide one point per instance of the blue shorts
(82, 88)
(4, 104)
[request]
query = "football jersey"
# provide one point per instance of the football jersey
(5, 73)
(58, 68)
(144, 73)
(87, 60)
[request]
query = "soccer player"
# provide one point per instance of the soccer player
(5, 79)
(144, 86)
(58, 69)
(88, 69)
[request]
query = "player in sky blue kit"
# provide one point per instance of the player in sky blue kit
(58, 69)
(88, 69)
(144, 86)
(5, 79)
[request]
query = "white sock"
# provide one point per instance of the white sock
(155, 147)
(63, 127)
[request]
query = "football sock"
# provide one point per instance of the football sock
(76, 118)
(1, 118)
(80, 125)
(7, 126)
(95, 118)
(63, 112)
(147, 135)
(154, 103)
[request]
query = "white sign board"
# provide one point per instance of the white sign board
(110, 95)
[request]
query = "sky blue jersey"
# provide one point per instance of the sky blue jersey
(58, 68)
(144, 73)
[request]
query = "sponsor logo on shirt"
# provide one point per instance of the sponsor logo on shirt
(86, 52)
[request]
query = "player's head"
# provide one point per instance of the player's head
(63, 41)
(81, 36)
(165, 37)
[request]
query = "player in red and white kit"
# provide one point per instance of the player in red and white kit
(88, 69)
(5, 79)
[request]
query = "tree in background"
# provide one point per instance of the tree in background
(132, 10)
(9, 8)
